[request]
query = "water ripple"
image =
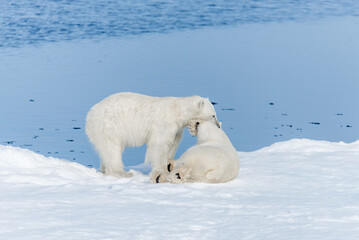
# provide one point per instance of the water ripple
(30, 22)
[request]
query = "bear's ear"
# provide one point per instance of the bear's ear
(200, 104)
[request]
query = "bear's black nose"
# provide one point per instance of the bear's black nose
(178, 176)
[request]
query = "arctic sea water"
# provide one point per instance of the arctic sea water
(275, 69)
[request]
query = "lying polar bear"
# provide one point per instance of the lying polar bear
(131, 119)
(212, 160)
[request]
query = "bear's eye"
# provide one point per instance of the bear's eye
(197, 123)
(213, 115)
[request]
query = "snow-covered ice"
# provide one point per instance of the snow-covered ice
(297, 189)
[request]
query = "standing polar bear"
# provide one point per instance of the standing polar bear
(212, 160)
(131, 119)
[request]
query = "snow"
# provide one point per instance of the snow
(296, 189)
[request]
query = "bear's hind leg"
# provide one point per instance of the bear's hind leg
(213, 176)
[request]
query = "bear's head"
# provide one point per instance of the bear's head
(205, 111)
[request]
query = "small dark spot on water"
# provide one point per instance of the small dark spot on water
(73, 158)
(90, 166)
(56, 152)
(69, 140)
(41, 129)
(26, 145)
(314, 123)
(284, 114)
(76, 128)
(32, 100)
(299, 129)
(72, 150)
(214, 103)
(271, 103)
(9, 142)
(348, 126)
(339, 114)
(289, 125)
(48, 152)
(228, 109)
(36, 136)
(82, 152)
(56, 129)
(74, 120)
(231, 128)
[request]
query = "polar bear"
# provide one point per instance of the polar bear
(212, 160)
(131, 119)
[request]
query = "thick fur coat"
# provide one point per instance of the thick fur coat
(212, 160)
(131, 119)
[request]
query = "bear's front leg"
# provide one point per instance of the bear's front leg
(160, 177)
(174, 146)
(156, 154)
(158, 150)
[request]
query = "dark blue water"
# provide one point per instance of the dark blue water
(35, 21)
(276, 69)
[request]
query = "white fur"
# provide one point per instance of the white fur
(131, 119)
(213, 159)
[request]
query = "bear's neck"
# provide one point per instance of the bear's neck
(213, 134)
(187, 108)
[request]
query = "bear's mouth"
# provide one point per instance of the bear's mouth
(216, 121)
(196, 127)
